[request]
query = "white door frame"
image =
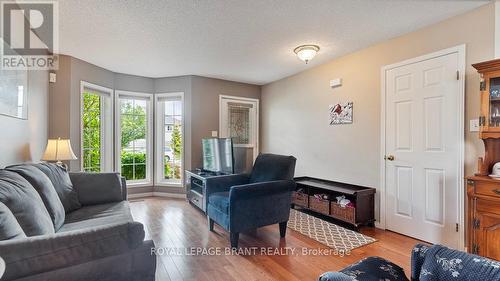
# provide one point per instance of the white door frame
(221, 97)
(460, 50)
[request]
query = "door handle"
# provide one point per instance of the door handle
(389, 157)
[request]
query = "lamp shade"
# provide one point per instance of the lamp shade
(58, 150)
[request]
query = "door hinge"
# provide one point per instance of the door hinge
(482, 120)
(456, 227)
(482, 84)
(476, 223)
(475, 248)
(458, 75)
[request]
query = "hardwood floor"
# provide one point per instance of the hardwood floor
(176, 227)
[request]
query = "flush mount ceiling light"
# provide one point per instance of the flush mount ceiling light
(306, 52)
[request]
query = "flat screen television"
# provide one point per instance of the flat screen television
(218, 155)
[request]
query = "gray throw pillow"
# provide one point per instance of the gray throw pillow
(45, 188)
(97, 188)
(59, 177)
(9, 227)
(25, 204)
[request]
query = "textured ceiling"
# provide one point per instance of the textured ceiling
(241, 40)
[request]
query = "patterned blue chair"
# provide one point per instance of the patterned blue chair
(245, 202)
(427, 264)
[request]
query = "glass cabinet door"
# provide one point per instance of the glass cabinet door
(494, 96)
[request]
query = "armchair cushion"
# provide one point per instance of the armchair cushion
(45, 189)
(220, 200)
(97, 188)
(223, 184)
(9, 227)
(62, 183)
(271, 167)
(25, 204)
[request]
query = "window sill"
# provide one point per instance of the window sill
(169, 184)
(139, 184)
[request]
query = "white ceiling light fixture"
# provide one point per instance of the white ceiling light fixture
(306, 52)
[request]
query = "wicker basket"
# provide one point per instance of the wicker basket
(300, 199)
(319, 205)
(347, 214)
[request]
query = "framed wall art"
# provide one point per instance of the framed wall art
(341, 113)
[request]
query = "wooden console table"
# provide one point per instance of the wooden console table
(363, 198)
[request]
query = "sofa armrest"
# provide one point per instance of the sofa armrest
(98, 188)
(124, 188)
(33, 255)
(261, 189)
(417, 260)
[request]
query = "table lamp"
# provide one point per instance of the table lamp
(2, 267)
(58, 150)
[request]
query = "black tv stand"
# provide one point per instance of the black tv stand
(196, 183)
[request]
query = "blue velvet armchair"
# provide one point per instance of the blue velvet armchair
(244, 202)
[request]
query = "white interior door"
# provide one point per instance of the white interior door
(422, 146)
(239, 120)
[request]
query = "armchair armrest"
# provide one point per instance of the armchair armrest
(98, 188)
(259, 204)
(254, 190)
(334, 276)
(224, 183)
(417, 260)
(37, 254)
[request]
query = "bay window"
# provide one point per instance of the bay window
(133, 120)
(169, 138)
(97, 128)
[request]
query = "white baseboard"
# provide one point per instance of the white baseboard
(170, 195)
(157, 194)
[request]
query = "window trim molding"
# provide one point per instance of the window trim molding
(149, 136)
(108, 137)
(255, 123)
(158, 164)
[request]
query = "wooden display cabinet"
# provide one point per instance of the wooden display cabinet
(483, 201)
(489, 120)
(483, 192)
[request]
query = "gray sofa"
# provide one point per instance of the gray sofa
(56, 225)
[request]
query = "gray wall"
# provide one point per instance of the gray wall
(25, 140)
(201, 102)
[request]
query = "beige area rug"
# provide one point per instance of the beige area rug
(327, 233)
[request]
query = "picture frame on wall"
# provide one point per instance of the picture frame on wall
(14, 93)
(341, 113)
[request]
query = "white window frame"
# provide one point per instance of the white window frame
(106, 132)
(160, 140)
(149, 136)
